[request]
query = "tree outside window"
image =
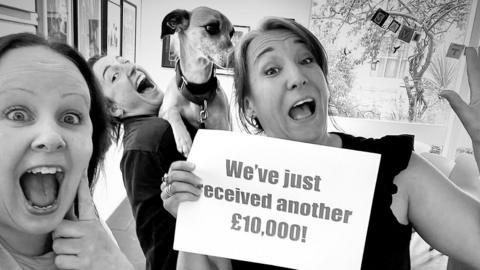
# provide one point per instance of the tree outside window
(376, 75)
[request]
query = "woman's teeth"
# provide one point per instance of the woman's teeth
(50, 206)
(45, 170)
(140, 79)
(302, 109)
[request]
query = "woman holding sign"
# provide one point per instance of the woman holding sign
(53, 135)
(282, 91)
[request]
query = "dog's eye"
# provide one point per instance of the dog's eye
(212, 28)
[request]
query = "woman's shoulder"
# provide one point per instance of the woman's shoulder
(387, 144)
(146, 133)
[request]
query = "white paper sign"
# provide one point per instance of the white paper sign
(278, 202)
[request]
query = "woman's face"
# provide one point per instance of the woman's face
(128, 86)
(45, 138)
(289, 93)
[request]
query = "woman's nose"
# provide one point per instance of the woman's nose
(296, 77)
(130, 68)
(48, 139)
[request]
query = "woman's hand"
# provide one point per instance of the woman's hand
(469, 114)
(83, 243)
(179, 185)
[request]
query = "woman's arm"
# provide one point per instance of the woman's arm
(445, 216)
(469, 114)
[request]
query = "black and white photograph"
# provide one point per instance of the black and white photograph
(237, 135)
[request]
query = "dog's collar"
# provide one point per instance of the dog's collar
(194, 92)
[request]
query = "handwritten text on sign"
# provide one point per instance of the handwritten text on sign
(278, 202)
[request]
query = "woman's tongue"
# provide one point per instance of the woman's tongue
(300, 112)
(40, 189)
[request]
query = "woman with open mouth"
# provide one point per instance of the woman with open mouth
(53, 136)
(282, 92)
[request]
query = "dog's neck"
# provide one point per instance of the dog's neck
(195, 67)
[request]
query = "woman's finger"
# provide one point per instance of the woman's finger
(473, 71)
(179, 187)
(86, 206)
(67, 229)
(66, 246)
(68, 262)
(182, 165)
(456, 102)
(183, 176)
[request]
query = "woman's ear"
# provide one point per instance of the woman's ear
(116, 111)
(249, 108)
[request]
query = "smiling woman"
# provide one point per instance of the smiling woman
(53, 135)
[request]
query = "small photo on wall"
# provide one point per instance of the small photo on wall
(113, 29)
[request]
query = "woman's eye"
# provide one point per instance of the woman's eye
(114, 77)
(18, 115)
(71, 118)
(212, 29)
(307, 60)
(272, 71)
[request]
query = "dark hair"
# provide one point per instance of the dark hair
(241, 79)
(115, 122)
(98, 115)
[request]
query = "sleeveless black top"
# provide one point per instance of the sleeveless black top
(387, 242)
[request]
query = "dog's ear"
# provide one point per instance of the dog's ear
(176, 20)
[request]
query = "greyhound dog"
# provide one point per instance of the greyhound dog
(204, 40)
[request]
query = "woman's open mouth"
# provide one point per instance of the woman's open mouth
(302, 109)
(40, 186)
(144, 84)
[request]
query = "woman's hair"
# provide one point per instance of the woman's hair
(241, 79)
(98, 114)
(115, 122)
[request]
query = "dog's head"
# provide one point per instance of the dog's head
(205, 30)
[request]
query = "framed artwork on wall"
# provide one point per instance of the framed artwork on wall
(240, 30)
(59, 21)
(89, 27)
(129, 30)
(114, 42)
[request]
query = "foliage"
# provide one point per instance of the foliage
(432, 18)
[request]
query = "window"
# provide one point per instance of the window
(370, 68)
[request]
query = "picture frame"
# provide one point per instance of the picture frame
(59, 21)
(240, 31)
(129, 31)
(114, 42)
(168, 56)
(89, 27)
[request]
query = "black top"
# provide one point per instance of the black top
(149, 149)
(387, 242)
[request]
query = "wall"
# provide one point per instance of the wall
(17, 16)
(244, 12)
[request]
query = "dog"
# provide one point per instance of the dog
(204, 41)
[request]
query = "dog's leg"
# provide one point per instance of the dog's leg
(182, 137)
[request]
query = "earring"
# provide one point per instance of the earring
(117, 111)
(254, 121)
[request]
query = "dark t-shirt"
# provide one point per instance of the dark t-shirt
(387, 242)
(149, 149)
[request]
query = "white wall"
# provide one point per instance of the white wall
(243, 12)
